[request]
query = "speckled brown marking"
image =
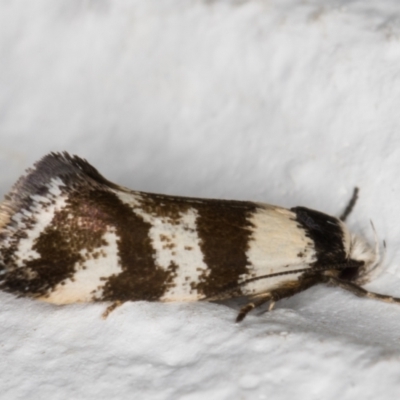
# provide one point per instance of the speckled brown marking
(90, 209)
(59, 247)
(140, 279)
(169, 208)
(224, 230)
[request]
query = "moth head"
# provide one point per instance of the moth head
(362, 251)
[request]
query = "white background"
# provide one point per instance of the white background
(286, 102)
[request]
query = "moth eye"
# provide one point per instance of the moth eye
(350, 274)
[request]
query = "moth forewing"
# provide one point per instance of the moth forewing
(68, 235)
(275, 246)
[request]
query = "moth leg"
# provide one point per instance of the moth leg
(350, 205)
(251, 306)
(111, 308)
(361, 292)
(288, 289)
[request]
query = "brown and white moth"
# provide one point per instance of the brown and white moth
(68, 235)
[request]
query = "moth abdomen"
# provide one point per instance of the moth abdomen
(68, 235)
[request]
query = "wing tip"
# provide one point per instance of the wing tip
(70, 169)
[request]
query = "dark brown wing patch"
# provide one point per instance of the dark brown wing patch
(224, 229)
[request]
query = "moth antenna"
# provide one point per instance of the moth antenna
(220, 295)
(294, 271)
(361, 292)
(350, 206)
(382, 297)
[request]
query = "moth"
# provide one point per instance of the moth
(69, 235)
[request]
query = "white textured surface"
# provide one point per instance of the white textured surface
(284, 102)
